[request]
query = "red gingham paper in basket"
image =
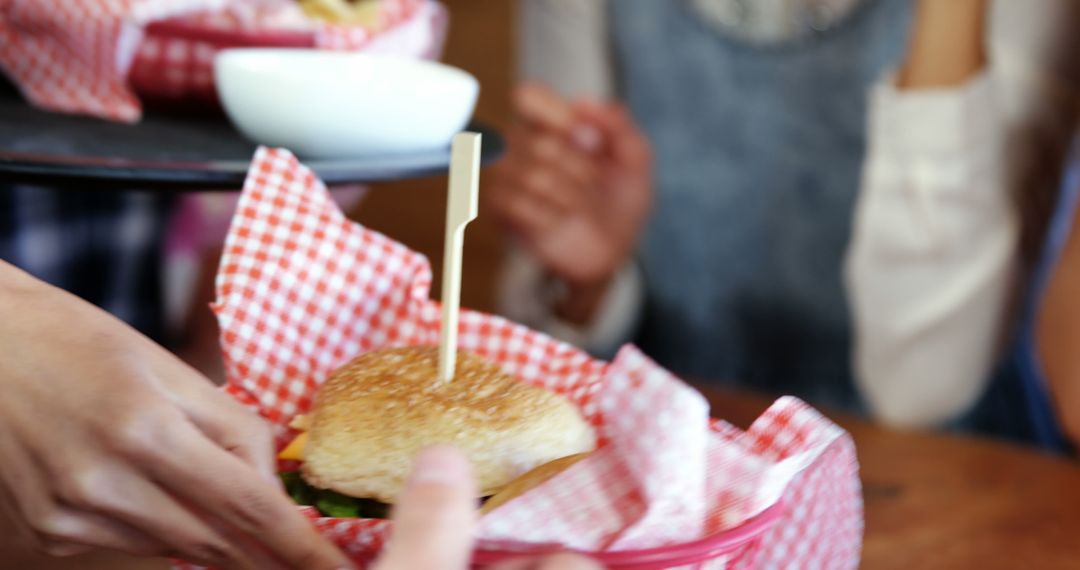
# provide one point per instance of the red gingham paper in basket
(75, 56)
(301, 290)
(177, 67)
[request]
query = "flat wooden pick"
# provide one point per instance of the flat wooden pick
(461, 208)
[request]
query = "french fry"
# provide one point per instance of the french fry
(359, 13)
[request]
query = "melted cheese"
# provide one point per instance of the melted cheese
(295, 450)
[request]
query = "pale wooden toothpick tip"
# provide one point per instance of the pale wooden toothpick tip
(461, 208)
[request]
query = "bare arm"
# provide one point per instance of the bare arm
(948, 44)
(577, 172)
(1058, 336)
(931, 262)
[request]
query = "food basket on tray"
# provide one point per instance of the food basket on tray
(301, 290)
(173, 65)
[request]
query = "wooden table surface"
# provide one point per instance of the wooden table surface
(932, 501)
(941, 501)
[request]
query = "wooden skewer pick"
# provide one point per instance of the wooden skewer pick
(461, 206)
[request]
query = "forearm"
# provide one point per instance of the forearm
(13, 283)
(1058, 336)
(947, 46)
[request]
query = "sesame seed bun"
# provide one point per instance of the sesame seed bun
(375, 413)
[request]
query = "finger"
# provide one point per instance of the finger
(66, 549)
(547, 187)
(569, 561)
(623, 138)
(548, 169)
(561, 561)
(79, 497)
(239, 431)
(25, 498)
(538, 172)
(12, 517)
(435, 517)
(258, 556)
(587, 138)
(222, 419)
(529, 218)
(541, 107)
(221, 485)
(553, 153)
(72, 532)
(524, 563)
(116, 508)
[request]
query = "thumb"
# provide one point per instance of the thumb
(435, 516)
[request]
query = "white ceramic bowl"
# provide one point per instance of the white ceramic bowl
(324, 104)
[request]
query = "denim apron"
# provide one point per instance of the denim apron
(758, 155)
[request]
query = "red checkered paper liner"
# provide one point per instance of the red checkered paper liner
(180, 67)
(73, 56)
(82, 56)
(301, 290)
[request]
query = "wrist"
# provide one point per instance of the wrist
(14, 281)
(20, 299)
(578, 302)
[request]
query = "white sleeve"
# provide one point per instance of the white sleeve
(564, 44)
(931, 267)
(527, 296)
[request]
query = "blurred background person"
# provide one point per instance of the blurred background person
(708, 220)
(743, 129)
(1047, 356)
(963, 165)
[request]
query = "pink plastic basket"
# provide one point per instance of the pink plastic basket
(739, 546)
(174, 65)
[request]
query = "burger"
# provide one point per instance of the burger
(373, 415)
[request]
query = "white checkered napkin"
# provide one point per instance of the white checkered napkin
(301, 290)
(74, 56)
(645, 488)
(792, 452)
